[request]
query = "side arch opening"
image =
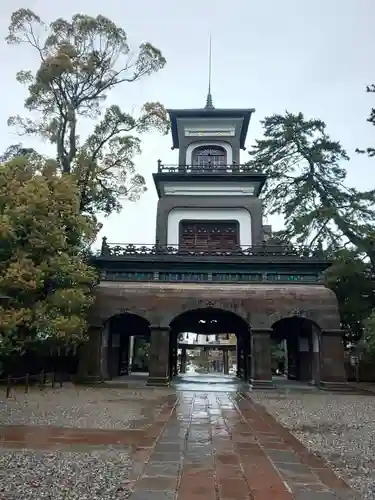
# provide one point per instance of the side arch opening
(126, 344)
(295, 349)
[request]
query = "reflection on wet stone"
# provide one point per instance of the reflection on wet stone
(163, 447)
(282, 456)
(162, 469)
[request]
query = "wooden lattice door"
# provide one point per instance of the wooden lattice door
(215, 235)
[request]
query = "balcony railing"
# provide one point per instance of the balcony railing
(209, 168)
(264, 250)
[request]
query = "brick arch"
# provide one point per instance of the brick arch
(318, 317)
(260, 306)
(182, 306)
(106, 330)
(111, 302)
(111, 312)
(281, 317)
(311, 316)
(314, 303)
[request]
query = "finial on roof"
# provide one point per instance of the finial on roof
(209, 104)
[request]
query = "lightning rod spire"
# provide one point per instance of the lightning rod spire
(209, 104)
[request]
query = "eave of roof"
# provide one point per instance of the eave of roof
(245, 114)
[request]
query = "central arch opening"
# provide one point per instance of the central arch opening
(209, 345)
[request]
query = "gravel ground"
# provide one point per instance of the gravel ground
(37, 475)
(338, 427)
(78, 471)
(341, 428)
(81, 407)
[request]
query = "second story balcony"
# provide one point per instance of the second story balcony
(224, 175)
(176, 252)
(205, 168)
(253, 264)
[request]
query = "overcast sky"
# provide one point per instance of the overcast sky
(296, 55)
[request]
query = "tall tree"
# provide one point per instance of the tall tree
(352, 280)
(80, 62)
(370, 151)
(306, 184)
(46, 281)
(16, 150)
(369, 336)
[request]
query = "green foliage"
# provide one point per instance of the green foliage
(352, 280)
(277, 352)
(80, 62)
(46, 281)
(141, 353)
(370, 151)
(16, 150)
(307, 186)
(370, 334)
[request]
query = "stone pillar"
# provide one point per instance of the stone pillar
(332, 367)
(225, 361)
(261, 375)
(183, 360)
(89, 366)
(159, 356)
(104, 352)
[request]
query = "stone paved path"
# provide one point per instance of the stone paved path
(202, 446)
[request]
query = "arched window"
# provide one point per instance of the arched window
(210, 157)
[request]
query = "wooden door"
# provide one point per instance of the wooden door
(214, 236)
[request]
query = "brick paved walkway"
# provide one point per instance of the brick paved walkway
(203, 446)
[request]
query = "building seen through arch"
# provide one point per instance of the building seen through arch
(213, 268)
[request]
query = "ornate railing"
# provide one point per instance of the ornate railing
(203, 169)
(265, 250)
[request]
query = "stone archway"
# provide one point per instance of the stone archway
(212, 321)
(107, 353)
(260, 305)
(187, 305)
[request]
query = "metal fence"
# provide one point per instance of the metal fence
(38, 369)
(28, 380)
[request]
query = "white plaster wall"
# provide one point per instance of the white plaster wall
(241, 215)
(208, 189)
(198, 144)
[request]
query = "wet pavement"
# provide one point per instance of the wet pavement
(207, 443)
